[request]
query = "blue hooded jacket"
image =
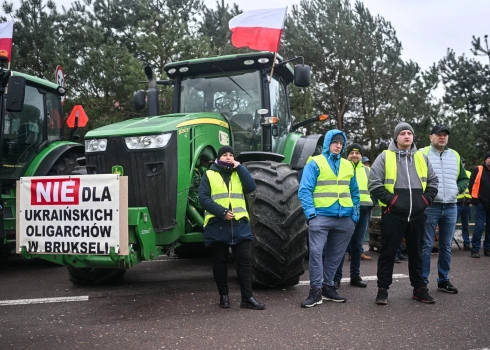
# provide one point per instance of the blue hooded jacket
(308, 183)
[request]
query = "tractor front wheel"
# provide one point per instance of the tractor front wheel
(95, 276)
(278, 225)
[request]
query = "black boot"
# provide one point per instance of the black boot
(252, 303)
(356, 281)
(224, 301)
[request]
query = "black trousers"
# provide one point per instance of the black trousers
(392, 232)
(243, 259)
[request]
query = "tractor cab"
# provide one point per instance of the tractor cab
(241, 89)
(31, 117)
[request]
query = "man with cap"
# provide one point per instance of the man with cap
(366, 161)
(464, 212)
(354, 155)
(329, 195)
(403, 181)
(480, 193)
(226, 224)
(443, 212)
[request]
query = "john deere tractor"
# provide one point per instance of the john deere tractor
(229, 100)
(31, 141)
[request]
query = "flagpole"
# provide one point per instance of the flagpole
(273, 65)
(275, 53)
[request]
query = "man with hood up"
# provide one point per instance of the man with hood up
(405, 184)
(329, 195)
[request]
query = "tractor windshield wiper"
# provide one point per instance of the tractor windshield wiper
(233, 80)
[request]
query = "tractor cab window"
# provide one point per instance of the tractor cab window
(54, 117)
(23, 132)
(279, 109)
(237, 97)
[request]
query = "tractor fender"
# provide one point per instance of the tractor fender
(244, 157)
(305, 147)
(51, 158)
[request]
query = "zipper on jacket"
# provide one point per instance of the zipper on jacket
(409, 188)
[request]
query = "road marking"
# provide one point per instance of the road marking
(365, 278)
(43, 300)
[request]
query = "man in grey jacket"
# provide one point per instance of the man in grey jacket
(453, 180)
(403, 181)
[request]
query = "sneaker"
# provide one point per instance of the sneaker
(486, 252)
(329, 293)
(356, 281)
(382, 297)
(446, 286)
(403, 257)
(397, 260)
(315, 298)
(224, 301)
(475, 254)
(422, 294)
(467, 247)
(336, 284)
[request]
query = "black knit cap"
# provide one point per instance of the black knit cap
(354, 147)
(225, 149)
(487, 156)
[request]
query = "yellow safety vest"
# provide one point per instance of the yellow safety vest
(390, 171)
(466, 193)
(331, 188)
(233, 197)
(362, 175)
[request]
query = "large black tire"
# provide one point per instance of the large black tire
(65, 165)
(278, 225)
(88, 276)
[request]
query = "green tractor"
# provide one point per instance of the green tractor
(31, 141)
(229, 100)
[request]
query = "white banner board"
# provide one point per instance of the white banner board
(72, 214)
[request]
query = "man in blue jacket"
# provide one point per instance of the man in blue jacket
(330, 198)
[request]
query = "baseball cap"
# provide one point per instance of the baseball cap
(439, 128)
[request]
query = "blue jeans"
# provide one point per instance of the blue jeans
(355, 245)
(444, 215)
(464, 211)
(334, 234)
(482, 216)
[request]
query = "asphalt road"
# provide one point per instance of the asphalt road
(172, 304)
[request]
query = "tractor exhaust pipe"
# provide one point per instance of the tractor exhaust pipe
(152, 93)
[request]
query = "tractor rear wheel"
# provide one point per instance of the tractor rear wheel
(95, 276)
(65, 165)
(278, 225)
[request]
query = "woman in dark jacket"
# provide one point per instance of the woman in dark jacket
(226, 224)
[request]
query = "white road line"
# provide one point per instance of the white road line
(43, 300)
(364, 278)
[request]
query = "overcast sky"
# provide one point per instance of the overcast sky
(426, 28)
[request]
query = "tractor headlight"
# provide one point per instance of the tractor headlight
(147, 142)
(95, 145)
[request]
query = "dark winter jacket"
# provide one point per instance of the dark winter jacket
(409, 201)
(218, 229)
(484, 193)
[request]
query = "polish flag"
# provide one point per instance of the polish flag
(258, 29)
(6, 30)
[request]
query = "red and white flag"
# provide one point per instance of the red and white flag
(258, 29)
(6, 30)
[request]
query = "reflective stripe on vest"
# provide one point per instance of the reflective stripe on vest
(220, 194)
(476, 186)
(362, 175)
(331, 188)
(421, 168)
(466, 193)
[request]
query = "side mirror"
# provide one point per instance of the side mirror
(15, 94)
(302, 73)
(139, 98)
